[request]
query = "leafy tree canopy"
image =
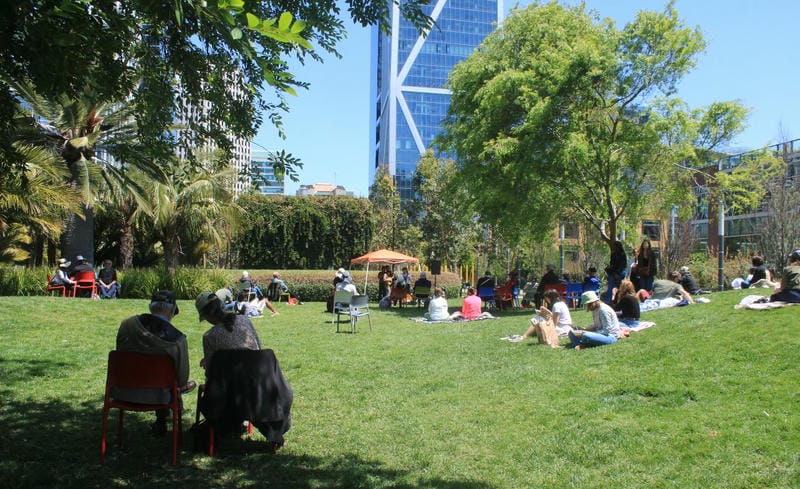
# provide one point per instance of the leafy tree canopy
(560, 112)
(159, 53)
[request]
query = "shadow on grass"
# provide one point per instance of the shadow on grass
(56, 444)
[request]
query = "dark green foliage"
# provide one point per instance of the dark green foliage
(303, 232)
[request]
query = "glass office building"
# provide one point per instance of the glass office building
(262, 175)
(409, 72)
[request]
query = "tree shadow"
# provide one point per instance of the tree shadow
(57, 444)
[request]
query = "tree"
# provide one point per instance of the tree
(187, 211)
(780, 230)
(446, 225)
(97, 143)
(187, 51)
(388, 216)
(558, 111)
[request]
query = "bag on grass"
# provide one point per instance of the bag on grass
(546, 332)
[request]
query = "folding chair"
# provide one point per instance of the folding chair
(421, 295)
(341, 301)
(573, 294)
(358, 308)
(487, 296)
(246, 287)
(132, 370)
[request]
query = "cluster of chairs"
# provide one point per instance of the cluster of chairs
(494, 298)
(417, 295)
(85, 281)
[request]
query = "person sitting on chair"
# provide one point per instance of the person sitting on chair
(107, 280)
(245, 282)
(154, 334)
(61, 277)
(229, 331)
(486, 281)
(549, 278)
(422, 288)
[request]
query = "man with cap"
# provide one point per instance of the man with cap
(154, 334)
(605, 325)
(486, 281)
(82, 265)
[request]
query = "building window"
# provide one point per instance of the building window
(652, 230)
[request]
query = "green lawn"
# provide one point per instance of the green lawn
(707, 398)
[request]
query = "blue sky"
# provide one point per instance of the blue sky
(750, 57)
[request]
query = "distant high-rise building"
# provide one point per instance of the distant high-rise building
(262, 175)
(409, 72)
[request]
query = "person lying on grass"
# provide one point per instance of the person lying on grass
(605, 326)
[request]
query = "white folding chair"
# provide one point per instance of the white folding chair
(358, 308)
(341, 302)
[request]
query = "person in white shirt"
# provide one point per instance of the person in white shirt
(437, 307)
(558, 312)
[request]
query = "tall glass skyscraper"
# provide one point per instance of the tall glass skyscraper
(409, 72)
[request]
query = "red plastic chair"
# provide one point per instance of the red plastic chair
(51, 287)
(85, 281)
(134, 370)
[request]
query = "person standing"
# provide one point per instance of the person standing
(615, 271)
(646, 265)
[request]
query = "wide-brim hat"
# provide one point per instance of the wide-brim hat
(588, 297)
(166, 296)
(202, 302)
(64, 263)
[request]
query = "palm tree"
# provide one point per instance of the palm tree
(34, 206)
(93, 139)
(190, 210)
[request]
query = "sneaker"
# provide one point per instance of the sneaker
(189, 387)
(273, 314)
(516, 338)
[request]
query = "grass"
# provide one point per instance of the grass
(707, 398)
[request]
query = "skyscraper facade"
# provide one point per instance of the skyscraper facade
(409, 72)
(262, 175)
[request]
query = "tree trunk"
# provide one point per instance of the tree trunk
(126, 239)
(78, 237)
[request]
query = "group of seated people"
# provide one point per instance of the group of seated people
(248, 299)
(259, 394)
(610, 322)
(400, 288)
(66, 274)
(471, 307)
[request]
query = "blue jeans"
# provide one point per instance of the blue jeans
(629, 322)
(110, 292)
(613, 283)
(590, 338)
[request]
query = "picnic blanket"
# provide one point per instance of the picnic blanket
(459, 320)
(642, 325)
(760, 303)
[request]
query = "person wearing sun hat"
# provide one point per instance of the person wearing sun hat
(61, 277)
(605, 326)
(230, 331)
(154, 333)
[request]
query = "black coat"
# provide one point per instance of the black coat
(247, 385)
